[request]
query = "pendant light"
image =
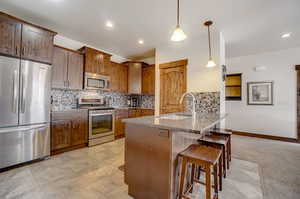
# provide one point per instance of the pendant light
(178, 34)
(210, 62)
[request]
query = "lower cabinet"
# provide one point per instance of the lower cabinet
(69, 130)
(131, 113)
(119, 125)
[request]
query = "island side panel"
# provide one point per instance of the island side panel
(148, 162)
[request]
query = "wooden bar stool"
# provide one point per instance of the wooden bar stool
(207, 158)
(224, 132)
(219, 142)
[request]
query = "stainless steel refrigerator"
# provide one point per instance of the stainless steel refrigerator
(24, 111)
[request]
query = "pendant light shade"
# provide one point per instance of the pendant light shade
(211, 63)
(178, 34)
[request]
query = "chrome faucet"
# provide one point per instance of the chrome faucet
(194, 102)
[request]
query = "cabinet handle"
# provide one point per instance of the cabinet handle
(23, 51)
(163, 133)
(16, 50)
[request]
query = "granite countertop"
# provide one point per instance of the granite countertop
(201, 123)
(115, 107)
(126, 107)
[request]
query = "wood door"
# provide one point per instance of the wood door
(60, 68)
(10, 36)
(75, 71)
(148, 80)
(79, 130)
(37, 44)
(123, 78)
(61, 134)
(172, 86)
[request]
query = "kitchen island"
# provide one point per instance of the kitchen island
(152, 145)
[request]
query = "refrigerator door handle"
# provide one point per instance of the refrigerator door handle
(23, 93)
(15, 91)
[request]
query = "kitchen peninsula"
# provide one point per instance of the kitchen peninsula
(152, 144)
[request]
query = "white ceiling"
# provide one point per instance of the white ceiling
(249, 26)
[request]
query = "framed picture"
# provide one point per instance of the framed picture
(260, 93)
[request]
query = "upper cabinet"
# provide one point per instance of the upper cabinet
(134, 77)
(148, 80)
(96, 61)
(118, 77)
(10, 36)
(22, 39)
(37, 44)
(67, 72)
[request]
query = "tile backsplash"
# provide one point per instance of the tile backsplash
(206, 102)
(67, 99)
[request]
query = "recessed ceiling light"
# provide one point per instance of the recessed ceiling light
(141, 41)
(109, 24)
(286, 35)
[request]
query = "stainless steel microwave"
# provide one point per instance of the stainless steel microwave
(93, 81)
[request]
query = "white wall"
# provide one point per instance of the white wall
(199, 77)
(75, 45)
(276, 120)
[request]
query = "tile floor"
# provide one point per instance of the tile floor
(92, 173)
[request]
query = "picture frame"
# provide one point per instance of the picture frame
(260, 93)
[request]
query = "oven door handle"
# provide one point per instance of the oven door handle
(100, 114)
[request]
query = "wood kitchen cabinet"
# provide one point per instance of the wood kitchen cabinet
(147, 112)
(96, 61)
(119, 125)
(118, 77)
(148, 80)
(37, 44)
(67, 72)
(19, 38)
(10, 36)
(69, 130)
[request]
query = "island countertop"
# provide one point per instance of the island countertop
(180, 121)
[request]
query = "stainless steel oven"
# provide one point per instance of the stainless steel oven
(101, 126)
(93, 81)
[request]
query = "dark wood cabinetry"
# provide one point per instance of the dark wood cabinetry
(75, 71)
(69, 130)
(119, 125)
(96, 61)
(131, 113)
(118, 77)
(19, 38)
(10, 36)
(148, 80)
(67, 69)
(37, 44)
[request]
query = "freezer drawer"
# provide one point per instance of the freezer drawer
(22, 144)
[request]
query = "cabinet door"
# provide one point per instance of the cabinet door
(10, 36)
(114, 77)
(61, 134)
(79, 131)
(148, 80)
(93, 61)
(60, 68)
(105, 69)
(37, 44)
(147, 112)
(75, 71)
(123, 78)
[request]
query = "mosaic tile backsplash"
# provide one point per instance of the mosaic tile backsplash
(67, 99)
(206, 102)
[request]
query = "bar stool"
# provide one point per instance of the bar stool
(204, 157)
(224, 132)
(219, 142)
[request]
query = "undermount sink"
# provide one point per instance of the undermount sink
(177, 116)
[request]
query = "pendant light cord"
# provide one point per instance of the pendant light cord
(178, 13)
(209, 45)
